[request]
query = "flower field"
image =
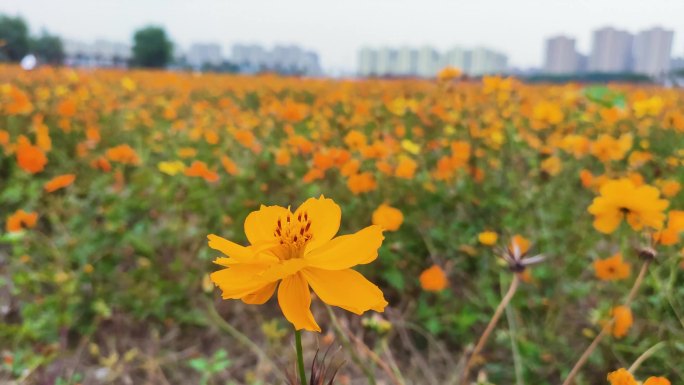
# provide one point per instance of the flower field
(172, 228)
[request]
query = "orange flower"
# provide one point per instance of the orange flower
(622, 321)
(448, 73)
(361, 183)
(433, 279)
(228, 165)
(123, 154)
(199, 169)
(621, 377)
(621, 198)
(612, 269)
(657, 381)
(298, 250)
(59, 182)
(29, 157)
(406, 168)
(21, 220)
(388, 217)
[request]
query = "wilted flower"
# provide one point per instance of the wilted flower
(516, 257)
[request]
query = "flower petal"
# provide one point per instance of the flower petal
(347, 289)
(325, 216)
(347, 250)
(228, 248)
(294, 299)
(260, 296)
(259, 225)
(239, 280)
(608, 222)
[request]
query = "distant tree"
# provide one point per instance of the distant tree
(48, 48)
(151, 48)
(14, 38)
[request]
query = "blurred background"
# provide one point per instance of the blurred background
(534, 39)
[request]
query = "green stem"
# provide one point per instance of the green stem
(300, 357)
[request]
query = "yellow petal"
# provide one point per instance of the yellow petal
(295, 300)
(239, 280)
(260, 296)
(278, 271)
(347, 289)
(325, 216)
(260, 225)
(348, 250)
(229, 248)
(608, 222)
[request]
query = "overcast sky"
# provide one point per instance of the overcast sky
(336, 29)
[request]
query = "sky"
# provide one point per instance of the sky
(337, 29)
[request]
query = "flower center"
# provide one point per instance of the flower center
(293, 233)
(624, 210)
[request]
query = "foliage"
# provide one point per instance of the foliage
(151, 48)
(14, 38)
(48, 48)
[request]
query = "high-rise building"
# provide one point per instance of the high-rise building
(284, 59)
(457, 57)
(407, 61)
(386, 62)
(611, 51)
(485, 61)
(561, 57)
(652, 51)
(426, 61)
(367, 60)
(202, 54)
(100, 53)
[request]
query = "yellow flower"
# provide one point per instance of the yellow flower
(388, 217)
(621, 377)
(487, 238)
(620, 198)
(171, 168)
(298, 250)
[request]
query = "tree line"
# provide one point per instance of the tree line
(151, 46)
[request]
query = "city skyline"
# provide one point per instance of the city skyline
(342, 28)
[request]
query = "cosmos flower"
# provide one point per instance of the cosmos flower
(621, 377)
(487, 238)
(433, 279)
(59, 182)
(622, 321)
(612, 269)
(621, 198)
(21, 220)
(30, 158)
(388, 217)
(297, 250)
